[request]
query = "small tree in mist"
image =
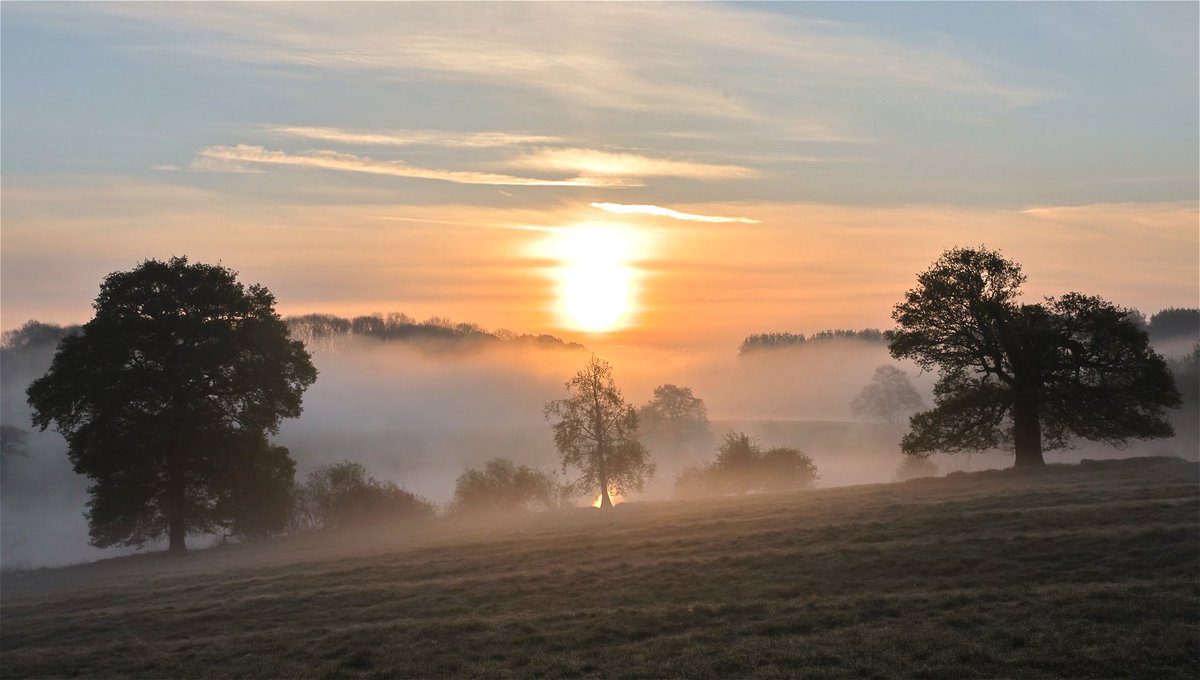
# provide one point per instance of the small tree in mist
(344, 493)
(500, 485)
(597, 432)
(675, 419)
(889, 396)
(741, 466)
(178, 378)
(738, 460)
(1025, 375)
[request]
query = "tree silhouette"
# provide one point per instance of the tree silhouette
(888, 396)
(675, 418)
(597, 432)
(500, 485)
(1029, 375)
(171, 388)
(741, 466)
(342, 494)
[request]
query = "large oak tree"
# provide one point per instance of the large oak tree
(165, 399)
(1029, 376)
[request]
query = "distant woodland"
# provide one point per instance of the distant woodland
(323, 329)
(1169, 324)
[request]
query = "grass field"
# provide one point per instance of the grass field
(1080, 571)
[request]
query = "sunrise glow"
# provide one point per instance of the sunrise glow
(596, 278)
(613, 496)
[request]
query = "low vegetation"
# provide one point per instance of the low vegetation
(344, 494)
(1074, 571)
(502, 486)
(742, 466)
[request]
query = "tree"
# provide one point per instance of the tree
(784, 468)
(741, 466)
(500, 485)
(738, 460)
(257, 489)
(597, 432)
(888, 396)
(1026, 375)
(675, 419)
(172, 386)
(1175, 322)
(344, 493)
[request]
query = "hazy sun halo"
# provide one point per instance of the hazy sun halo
(596, 279)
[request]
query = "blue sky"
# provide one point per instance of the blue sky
(377, 157)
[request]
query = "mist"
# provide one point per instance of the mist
(420, 415)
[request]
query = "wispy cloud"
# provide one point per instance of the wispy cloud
(659, 211)
(592, 162)
(212, 158)
(413, 137)
(709, 59)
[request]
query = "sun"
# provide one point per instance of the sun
(596, 278)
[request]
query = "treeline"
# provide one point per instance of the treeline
(436, 331)
(762, 341)
(317, 329)
(1174, 322)
(1170, 323)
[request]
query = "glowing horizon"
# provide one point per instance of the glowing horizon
(786, 166)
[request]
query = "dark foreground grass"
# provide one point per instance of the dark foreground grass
(1082, 571)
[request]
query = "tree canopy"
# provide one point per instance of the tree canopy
(597, 432)
(889, 396)
(1030, 376)
(675, 418)
(165, 399)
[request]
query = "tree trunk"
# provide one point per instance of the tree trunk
(1027, 433)
(605, 501)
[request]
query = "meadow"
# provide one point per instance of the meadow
(1088, 570)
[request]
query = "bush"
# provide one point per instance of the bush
(741, 466)
(343, 493)
(501, 485)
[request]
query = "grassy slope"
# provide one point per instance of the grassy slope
(1081, 571)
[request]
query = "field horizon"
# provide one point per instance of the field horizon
(1078, 570)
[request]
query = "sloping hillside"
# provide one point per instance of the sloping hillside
(1088, 570)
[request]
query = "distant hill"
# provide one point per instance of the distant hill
(1077, 571)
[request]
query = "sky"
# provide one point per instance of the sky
(666, 176)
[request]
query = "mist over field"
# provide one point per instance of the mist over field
(420, 414)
